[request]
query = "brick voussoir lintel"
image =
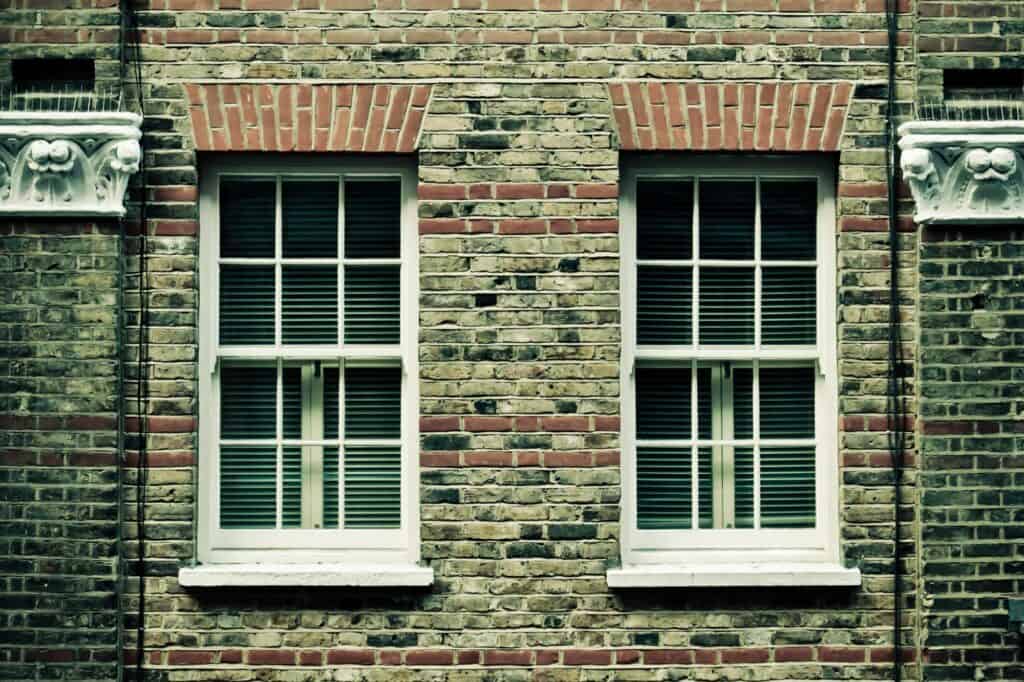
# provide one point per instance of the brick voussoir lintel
(793, 116)
(306, 117)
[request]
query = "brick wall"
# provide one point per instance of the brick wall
(58, 445)
(519, 345)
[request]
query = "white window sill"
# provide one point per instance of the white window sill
(734, 575)
(305, 575)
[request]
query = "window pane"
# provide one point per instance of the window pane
(663, 402)
(663, 486)
(743, 494)
(373, 213)
(788, 306)
(246, 304)
(664, 305)
(787, 402)
(726, 306)
(309, 215)
(291, 402)
(247, 218)
(727, 219)
(291, 487)
(705, 404)
(248, 486)
(373, 487)
(787, 487)
(330, 494)
(372, 300)
(373, 402)
(742, 403)
(309, 304)
(248, 402)
(789, 219)
(664, 217)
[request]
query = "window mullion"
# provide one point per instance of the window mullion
(279, 452)
(756, 422)
(341, 443)
(694, 450)
(728, 465)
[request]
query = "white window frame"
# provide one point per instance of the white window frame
(342, 547)
(733, 556)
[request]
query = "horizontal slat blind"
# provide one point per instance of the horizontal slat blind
(331, 405)
(330, 494)
(705, 488)
(248, 402)
(309, 304)
(789, 219)
(664, 305)
(373, 216)
(787, 402)
(727, 306)
(372, 304)
(246, 304)
(291, 402)
(664, 488)
(727, 219)
(789, 306)
(291, 486)
(664, 217)
(309, 215)
(663, 402)
(743, 492)
(743, 402)
(248, 486)
(247, 218)
(787, 487)
(373, 477)
(373, 402)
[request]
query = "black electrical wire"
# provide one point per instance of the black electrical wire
(895, 403)
(131, 53)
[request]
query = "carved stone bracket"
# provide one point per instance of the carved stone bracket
(67, 163)
(964, 171)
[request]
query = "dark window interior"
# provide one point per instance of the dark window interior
(982, 84)
(61, 75)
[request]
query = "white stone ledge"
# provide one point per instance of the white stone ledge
(734, 575)
(305, 575)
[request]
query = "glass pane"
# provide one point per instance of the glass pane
(787, 402)
(291, 402)
(726, 306)
(663, 487)
(373, 487)
(789, 219)
(743, 494)
(248, 402)
(331, 402)
(705, 488)
(664, 219)
(663, 402)
(373, 402)
(705, 412)
(247, 218)
(246, 304)
(742, 403)
(309, 215)
(788, 306)
(372, 304)
(330, 487)
(309, 304)
(727, 219)
(664, 305)
(248, 486)
(373, 218)
(291, 487)
(787, 487)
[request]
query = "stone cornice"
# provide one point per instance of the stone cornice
(67, 163)
(964, 171)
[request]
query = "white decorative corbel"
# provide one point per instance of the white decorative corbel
(67, 163)
(964, 171)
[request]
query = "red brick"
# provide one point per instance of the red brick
(487, 423)
(489, 459)
(840, 654)
(747, 655)
(587, 657)
(519, 191)
(668, 657)
(507, 657)
(445, 423)
(565, 423)
(791, 654)
(522, 226)
(350, 657)
(627, 656)
(439, 459)
(568, 459)
(429, 657)
(311, 658)
(270, 657)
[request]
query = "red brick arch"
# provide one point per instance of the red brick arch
(730, 116)
(283, 117)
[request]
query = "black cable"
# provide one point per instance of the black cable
(895, 403)
(130, 38)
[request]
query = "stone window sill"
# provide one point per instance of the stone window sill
(734, 575)
(305, 575)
